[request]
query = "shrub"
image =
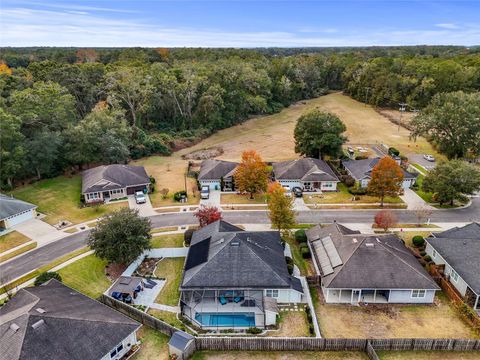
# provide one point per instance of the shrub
(152, 179)
(418, 240)
(300, 236)
(357, 191)
(428, 258)
(254, 331)
(305, 253)
(187, 236)
(361, 157)
(179, 194)
(422, 253)
(311, 329)
(394, 152)
(45, 276)
(348, 180)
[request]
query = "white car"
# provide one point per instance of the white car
(429, 157)
(288, 193)
(205, 192)
(140, 197)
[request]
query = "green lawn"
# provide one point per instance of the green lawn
(154, 345)
(242, 199)
(171, 269)
(86, 275)
(18, 251)
(167, 241)
(302, 264)
(168, 317)
(279, 355)
(344, 197)
(59, 199)
(11, 240)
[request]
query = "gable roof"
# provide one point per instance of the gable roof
(180, 340)
(216, 169)
(10, 206)
(366, 261)
(54, 322)
(460, 248)
(361, 169)
(223, 255)
(115, 176)
(304, 169)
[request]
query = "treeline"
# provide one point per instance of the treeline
(63, 109)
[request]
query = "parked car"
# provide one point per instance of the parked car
(205, 192)
(288, 193)
(429, 157)
(298, 192)
(140, 197)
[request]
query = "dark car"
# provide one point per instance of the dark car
(298, 192)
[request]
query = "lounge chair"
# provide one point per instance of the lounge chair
(248, 303)
(222, 300)
(117, 295)
(151, 282)
(237, 299)
(148, 285)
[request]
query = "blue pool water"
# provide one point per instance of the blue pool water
(226, 319)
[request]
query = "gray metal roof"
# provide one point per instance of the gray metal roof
(180, 340)
(10, 206)
(109, 177)
(304, 169)
(232, 257)
(216, 169)
(361, 169)
(368, 261)
(54, 322)
(460, 247)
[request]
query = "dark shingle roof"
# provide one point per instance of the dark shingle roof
(216, 169)
(460, 248)
(361, 169)
(383, 264)
(180, 340)
(109, 177)
(305, 169)
(10, 206)
(72, 326)
(236, 258)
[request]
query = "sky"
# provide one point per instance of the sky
(246, 23)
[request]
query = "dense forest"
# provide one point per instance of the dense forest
(62, 109)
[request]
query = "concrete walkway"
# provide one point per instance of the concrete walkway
(143, 209)
(39, 231)
(414, 202)
(173, 309)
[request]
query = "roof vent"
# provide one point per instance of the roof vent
(355, 240)
(40, 310)
(14, 327)
(221, 241)
(38, 324)
(378, 240)
(235, 243)
(370, 244)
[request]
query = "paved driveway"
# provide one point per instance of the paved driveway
(213, 200)
(143, 209)
(39, 231)
(413, 201)
(299, 204)
(418, 159)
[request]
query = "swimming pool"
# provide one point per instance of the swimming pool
(226, 319)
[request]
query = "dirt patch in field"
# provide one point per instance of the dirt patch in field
(204, 154)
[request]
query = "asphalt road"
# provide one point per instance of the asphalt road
(46, 254)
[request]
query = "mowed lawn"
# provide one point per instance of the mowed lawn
(171, 269)
(429, 355)
(167, 241)
(154, 345)
(11, 240)
(86, 275)
(342, 196)
(59, 199)
(292, 324)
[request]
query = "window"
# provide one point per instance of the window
(454, 275)
(418, 293)
(93, 196)
(119, 348)
(272, 293)
(113, 353)
(434, 254)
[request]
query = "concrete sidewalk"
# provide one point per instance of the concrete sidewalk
(39, 231)
(414, 202)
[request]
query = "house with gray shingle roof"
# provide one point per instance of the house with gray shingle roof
(217, 174)
(458, 251)
(362, 268)
(115, 181)
(14, 211)
(235, 278)
(55, 322)
(361, 171)
(309, 174)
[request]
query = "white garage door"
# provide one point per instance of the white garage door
(20, 218)
(406, 183)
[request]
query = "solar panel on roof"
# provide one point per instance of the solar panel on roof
(323, 258)
(332, 252)
(198, 254)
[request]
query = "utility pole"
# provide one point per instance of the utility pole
(367, 89)
(402, 109)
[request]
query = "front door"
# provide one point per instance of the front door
(356, 296)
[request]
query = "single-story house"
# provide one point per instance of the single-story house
(14, 211)
(361, 171)
(217, 174)
(362, 268)
(106, 182)
(309, 174)
(235, 278)
(458, 250)
(55, 322)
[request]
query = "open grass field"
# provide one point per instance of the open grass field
(411, 321)
(86, 275)
(428, 355)
(279, 355)
(59, 199)
(11, 240)
(171, 269)
(292, 324)
(167, 241)
(154, 345)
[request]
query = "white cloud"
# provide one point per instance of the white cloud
(22, 26)
(447, 26)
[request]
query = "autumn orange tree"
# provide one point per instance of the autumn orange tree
(4, 69)
(385, 219)
(280, 208)
(207, 215)
(251, 175)
(387, 178)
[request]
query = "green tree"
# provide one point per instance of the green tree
(44, 150)
(452, 180)
(280, 208)
(452, 122)
(12, 149)
(121, 237)
(318, 134)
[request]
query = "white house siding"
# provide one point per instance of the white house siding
(127, 343)
(328, 186)
(364, 182)
(19, 218)
(334, 296)
(213, 184)
(287, 296)
(407, 183)
(324, 185)
(405, 297)
(270, 318)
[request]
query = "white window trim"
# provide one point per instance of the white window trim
(418, 292)
(272, 293)
(454, 275)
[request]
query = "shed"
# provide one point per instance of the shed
(180, 344)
